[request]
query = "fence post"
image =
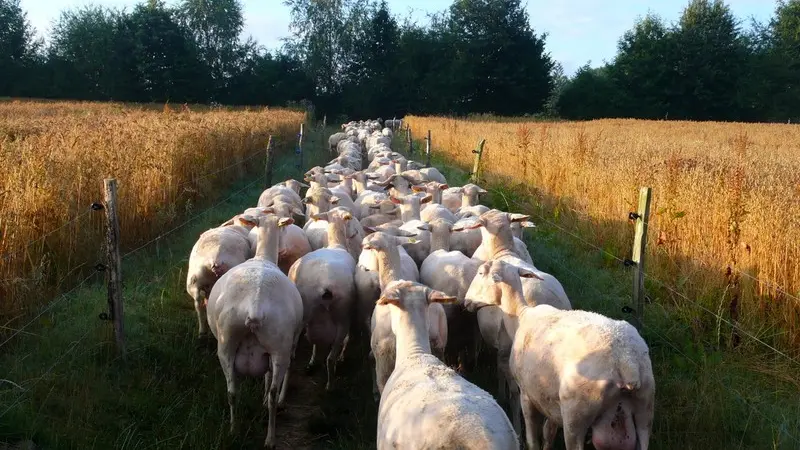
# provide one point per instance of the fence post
(428, 149)
(299, 150)
(639, 246)
(476, 167)
(114, 263)
(268, 163)
(324, 121)
(410, 142)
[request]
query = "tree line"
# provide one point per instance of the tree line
(353, 58)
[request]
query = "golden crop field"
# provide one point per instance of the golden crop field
(169, 161)
(724, 195)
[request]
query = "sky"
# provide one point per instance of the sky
(578, 31)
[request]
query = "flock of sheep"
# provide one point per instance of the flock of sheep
(390, 252)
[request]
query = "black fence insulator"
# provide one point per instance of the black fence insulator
(104, 316)
(97, 206)
(629, 262)
(475, 151)
(628, 310)
(100, 267)
(633, 216)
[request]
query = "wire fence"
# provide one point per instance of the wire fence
(69, 222)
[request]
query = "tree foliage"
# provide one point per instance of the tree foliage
(356, 58)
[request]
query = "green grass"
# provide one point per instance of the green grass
(70, 390)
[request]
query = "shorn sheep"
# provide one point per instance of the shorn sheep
(575, 369)
(425, 404)
(256, 314)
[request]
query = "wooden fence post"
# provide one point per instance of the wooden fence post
(268, 163)
(114, 263)
(299, 150)
(409, 141)
(428, 149)
(476, 167)
(639, 247)
(324, 121)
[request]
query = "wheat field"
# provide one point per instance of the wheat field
(724, 229)
(169, 162)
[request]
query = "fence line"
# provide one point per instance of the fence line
(71, 221)
(192, 219)
(726, 387)
(770, 283)
(206, 175)
(47, 308)
(73, 346)
(722, 319)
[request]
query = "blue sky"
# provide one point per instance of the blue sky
(578, 30)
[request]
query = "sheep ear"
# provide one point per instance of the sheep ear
(482, 190)
(471, 225)
(395, 200)
(407, 240)
(427, 198)
(373, 176)
(518, 217)
(416, 188)
(320, 216)
(444, 186)
(282, 222)
(298, 212)
(247, 220)
(303, 185)
(370, 230)
(389, 298)
(435, 296)
(424, 227)
(334, 200)
(525, 273)
(347, 216)
(229, 222)
(307, 200)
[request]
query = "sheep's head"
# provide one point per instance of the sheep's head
(294, 185)
(284, 207)
(493, 279)
(518, 227)
(409, 295)
(430, 186)
(495, 221)
(437, 226)
(321, 197)
(472, 190)
(381, 241)
(386, 207)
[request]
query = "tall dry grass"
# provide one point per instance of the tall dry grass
(725, 196)
(54, 156)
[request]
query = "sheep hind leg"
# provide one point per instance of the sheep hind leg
(344, 347)
(337, 348)
(226, 352)
(550, 431)
(533, 424)
(280, 366)
(202, 320)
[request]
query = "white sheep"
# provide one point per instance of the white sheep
(216, 252)
(464, 196)
(577, 369)
(325, 280)
(520, 248)
(382, 338)
(256, 314)
(450, 272)
(425, 404)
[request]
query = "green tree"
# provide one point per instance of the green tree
(502, 62)
(168, 66)
(90, 56)
(709, 65)
(782, 62)
(18, 48)
(643, 68)
(216, 26)
(592, 93)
